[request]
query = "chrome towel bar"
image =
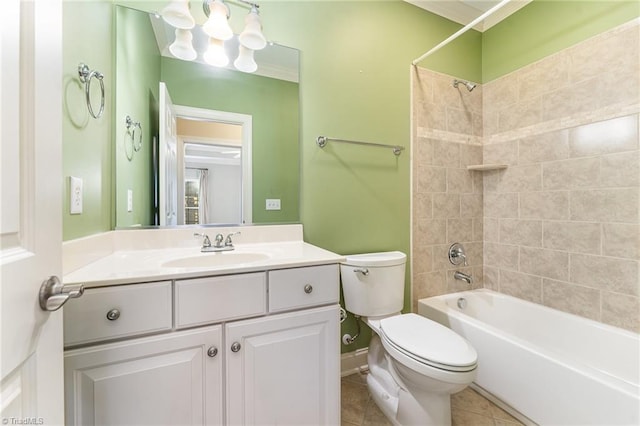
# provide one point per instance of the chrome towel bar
(321, 141)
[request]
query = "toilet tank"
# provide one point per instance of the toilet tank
(373, 283)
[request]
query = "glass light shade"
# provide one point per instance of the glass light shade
(217, 25)
(177, 14)
(215, 54)
(245, 62)
(182, 47)
(252, 37)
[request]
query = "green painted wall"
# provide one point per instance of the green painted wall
(137, 63)
(355, 75)
(87, 142)
(274, 107)
(355, 83)
(544, 27)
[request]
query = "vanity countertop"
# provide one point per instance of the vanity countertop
(134, 266)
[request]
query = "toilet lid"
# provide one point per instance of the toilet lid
(429, 342)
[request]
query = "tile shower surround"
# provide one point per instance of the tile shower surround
(560, 226)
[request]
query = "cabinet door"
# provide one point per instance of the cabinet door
(163, 380)
(285, 370)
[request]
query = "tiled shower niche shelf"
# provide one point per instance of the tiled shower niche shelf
(486, 167)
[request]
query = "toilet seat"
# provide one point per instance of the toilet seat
(428, 343)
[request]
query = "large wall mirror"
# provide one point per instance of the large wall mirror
(212, 144)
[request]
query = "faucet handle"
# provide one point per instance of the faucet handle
(227, 241)
(456, 252)
(206, 242)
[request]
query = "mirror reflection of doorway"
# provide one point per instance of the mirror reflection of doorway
(210, 147)
(212, 183)
(214, 167)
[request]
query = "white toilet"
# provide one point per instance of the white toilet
(415, 364)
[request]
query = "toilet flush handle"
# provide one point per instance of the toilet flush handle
(363, 271)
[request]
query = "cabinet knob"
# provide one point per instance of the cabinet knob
(308, 288)
(212, 351)
(235, 347)
(113, 315)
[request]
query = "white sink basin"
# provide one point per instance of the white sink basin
(206, 260)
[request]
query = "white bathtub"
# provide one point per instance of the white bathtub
(554, 368)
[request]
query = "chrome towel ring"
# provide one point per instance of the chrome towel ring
(86, 75)
(131, 129)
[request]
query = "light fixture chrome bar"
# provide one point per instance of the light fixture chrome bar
(321, 141)
(461, 31)
(207, 10)
(256, 5)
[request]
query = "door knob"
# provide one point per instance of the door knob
(53, 294)
(235, 347)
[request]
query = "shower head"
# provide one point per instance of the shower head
(469, 85)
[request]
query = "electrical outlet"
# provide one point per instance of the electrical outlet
(75, 195)
(273, 204)
(129, 200)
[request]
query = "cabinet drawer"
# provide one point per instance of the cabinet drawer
(214, 299)
(115, 312)
(303, 287)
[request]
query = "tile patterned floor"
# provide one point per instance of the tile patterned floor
(468, 408)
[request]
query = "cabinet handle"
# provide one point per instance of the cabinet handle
(113, 315)
(212, 351)
(308, 288)
(235, 347)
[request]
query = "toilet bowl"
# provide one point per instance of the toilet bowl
(415, 364)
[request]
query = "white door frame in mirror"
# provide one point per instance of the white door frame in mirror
(244, 120)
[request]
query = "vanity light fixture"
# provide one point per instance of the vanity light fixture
(245, 62)
(182, 47)
(251, 37)
(217, 25)
(177, 14)
(215, 54)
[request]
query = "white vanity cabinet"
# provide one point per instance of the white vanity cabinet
(284, 369)
(173, 379)
(258, 348)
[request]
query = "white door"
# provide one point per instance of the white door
(168, 162)
(284, 369)
(30, 212)
(173, 379)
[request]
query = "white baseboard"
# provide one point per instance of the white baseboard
(353, 362)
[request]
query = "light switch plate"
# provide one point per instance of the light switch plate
(273, 204)
(75, 195)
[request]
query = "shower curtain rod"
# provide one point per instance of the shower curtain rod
(461, 31)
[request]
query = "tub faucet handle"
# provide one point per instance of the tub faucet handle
(457, 255)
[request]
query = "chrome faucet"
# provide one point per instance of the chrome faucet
(207, 247)
(206, 242)
(227, 241)
(463, 277)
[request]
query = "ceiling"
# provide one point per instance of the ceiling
(465, 11)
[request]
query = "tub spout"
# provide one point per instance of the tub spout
(463, 277)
